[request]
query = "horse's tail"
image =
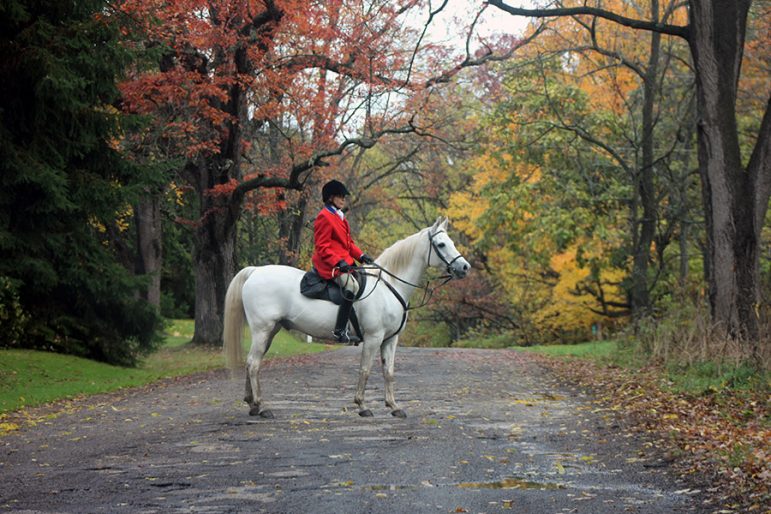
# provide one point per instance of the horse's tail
(234, 320)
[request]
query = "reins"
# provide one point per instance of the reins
(428, 292)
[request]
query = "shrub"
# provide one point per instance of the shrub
(13, 318)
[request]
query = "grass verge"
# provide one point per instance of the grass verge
(31, 378)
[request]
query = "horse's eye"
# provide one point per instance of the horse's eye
(441, 245)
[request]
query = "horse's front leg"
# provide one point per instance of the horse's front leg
(368, 350)
(387, 356)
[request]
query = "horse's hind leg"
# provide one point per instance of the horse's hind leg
(261, 339)
(367, 356)
(387, 355)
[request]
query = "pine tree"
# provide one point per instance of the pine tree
(65, 190)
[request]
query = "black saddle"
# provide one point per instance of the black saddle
(313, 286)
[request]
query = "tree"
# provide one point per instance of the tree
(65, 189)
(735, 195)
(645, 127)
(233, 71)
(547, 222)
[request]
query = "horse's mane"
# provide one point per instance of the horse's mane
(398, 256)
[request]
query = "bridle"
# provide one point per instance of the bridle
(428, 292)
(436, 248)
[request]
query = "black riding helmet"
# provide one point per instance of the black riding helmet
(333, 188)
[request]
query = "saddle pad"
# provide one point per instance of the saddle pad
(313, 286)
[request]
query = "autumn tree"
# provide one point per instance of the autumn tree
(634, 81)
(543, 211)
(735, 190)
(233, 71)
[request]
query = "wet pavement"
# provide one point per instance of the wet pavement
(487, 431)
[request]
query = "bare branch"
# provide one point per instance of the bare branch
(488, 56)
(316, 160)
(663, 28)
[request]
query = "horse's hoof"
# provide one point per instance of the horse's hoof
(267, 414)
(366, 413)
(398, 413)
(254, 411)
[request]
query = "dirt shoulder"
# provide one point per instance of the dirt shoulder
(487, 431)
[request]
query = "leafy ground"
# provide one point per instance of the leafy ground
(31, 378)
(719, 433)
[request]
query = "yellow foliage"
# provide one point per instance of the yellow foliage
(123, 218)
(177, 193)
(566, 310)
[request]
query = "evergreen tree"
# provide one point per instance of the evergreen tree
(65, 190)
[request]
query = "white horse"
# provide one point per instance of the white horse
(269, 298)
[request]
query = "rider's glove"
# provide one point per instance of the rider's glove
(344, 267)
(366, 259)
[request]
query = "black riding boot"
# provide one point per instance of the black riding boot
(341, 326)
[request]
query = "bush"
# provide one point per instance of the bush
(13, 318)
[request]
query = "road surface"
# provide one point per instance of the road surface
(487, 431)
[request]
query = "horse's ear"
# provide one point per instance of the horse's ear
(445, 222)
(437, 224)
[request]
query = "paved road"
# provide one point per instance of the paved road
(488, 431)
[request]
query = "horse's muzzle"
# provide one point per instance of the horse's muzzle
(459, 268)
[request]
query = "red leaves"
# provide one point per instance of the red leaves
(224, 189)
(276, 55)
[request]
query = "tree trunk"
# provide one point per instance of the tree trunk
(214, 260)
(149, 245)
(214, 264)
(684, 207)
(640, 293)
(730, 193)
(290, 229)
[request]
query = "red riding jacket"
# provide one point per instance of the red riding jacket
(332, 236)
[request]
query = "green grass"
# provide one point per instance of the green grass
(696, 378)
(489, 342)
(704, 377)
(29, 378)
(597, 350)
(608, 351)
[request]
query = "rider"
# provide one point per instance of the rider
(335, 253)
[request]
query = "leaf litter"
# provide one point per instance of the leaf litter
(719, 440)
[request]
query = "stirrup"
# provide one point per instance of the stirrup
(342, 336)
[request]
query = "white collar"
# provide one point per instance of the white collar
(336, 211)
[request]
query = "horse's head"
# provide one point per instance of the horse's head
(443, 252)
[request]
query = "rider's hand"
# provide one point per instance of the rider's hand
(366, 259)
(344, 267)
